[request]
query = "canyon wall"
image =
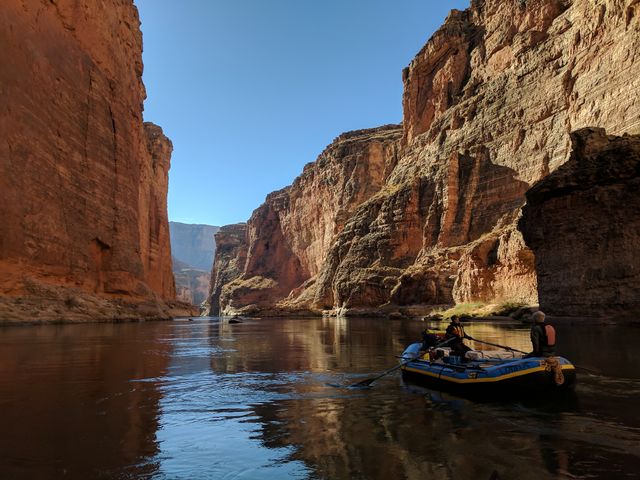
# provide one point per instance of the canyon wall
(588, 264)
(83, 181)
(228, 263)
(286, 240)
(192, 284)
(489, 104)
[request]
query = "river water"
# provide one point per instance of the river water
(206, 399)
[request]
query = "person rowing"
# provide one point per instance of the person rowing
(455, 331)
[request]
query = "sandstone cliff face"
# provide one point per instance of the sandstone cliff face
(228, 263)
(152, 207)
(588, 263)
(192, 284)
(82, 181)
(489, 104)
(288, 237)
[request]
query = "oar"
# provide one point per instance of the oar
(369, 381)
(504, 347)
(590, 370)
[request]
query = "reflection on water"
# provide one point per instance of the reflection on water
(206, 399)
(68, 407)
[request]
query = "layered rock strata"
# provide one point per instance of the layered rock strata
(489, 104)
(587, 261)
(288, 237)
(83, 182)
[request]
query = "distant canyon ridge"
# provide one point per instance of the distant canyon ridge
(512, 178)
(192, 250)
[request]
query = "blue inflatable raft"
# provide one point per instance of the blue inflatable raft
(486, 375)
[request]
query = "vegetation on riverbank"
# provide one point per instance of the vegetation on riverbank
(513, 309)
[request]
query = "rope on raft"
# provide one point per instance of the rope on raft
(552, 364)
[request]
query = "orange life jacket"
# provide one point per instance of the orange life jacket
(550, 333)
(456, 330)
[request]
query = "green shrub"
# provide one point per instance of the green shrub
(471, 309)
(507, 308)
(480, 309)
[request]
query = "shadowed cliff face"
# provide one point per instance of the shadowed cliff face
(83, 182)
(588, 264)
(489, 104)
(228, 263)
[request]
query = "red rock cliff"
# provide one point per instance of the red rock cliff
(287, 238)
(489, 104)
(83, 182)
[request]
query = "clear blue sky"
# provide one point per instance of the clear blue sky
(249, 91)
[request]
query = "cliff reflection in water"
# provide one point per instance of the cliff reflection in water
(207, 399)
(404, 431)
(326, 344)
(69, 408)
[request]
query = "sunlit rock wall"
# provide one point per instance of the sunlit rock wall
(489, 104)
(192, 284)
(83, 183)
(288, 237)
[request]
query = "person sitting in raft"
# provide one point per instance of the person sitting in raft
(543, 337)
(429, 339)
(456, 330)
(543, 340)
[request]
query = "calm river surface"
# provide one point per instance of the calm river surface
(205, 399)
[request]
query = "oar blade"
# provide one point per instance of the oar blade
(366, 383)
(363, 384)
